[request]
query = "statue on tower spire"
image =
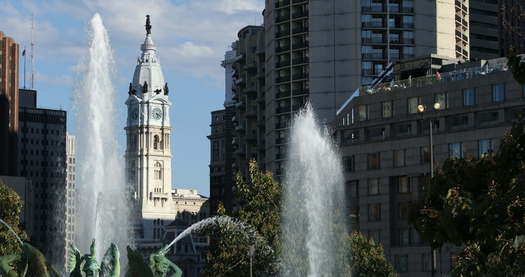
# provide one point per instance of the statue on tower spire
(148, 25)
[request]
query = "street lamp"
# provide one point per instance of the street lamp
(421, 109)
(251, 252)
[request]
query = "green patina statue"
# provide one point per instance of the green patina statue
(88, 263)
(30, 263)
(157, 266)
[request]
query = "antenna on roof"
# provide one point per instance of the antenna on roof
(32, 52)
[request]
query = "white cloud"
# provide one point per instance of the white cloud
(191, 35)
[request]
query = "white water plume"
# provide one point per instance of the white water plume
(313, 221)
(102, 209)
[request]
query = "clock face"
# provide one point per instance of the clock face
(156, 113)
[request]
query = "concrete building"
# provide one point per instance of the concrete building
(70, 189)
(9, 67)
(322, 51)
(384, 142)
(189, 253)
(484, 29)
(43, 160)
(221, 160)
(249, 99)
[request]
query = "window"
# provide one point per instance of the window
(441, 98)
(413, 102)
(402, 183)
(375, 235)
(157, 172)
(156, 142)
(485, 148)
(350, 136)
(455, 150)
(386, 108)
(373, 186)
(424, 154)
(374, 212)
(498, 93)
(426, 262)
(403, 238)
(374, 161)
(408, 52)
(362, 112)
(353, 188)
(399, 158)
(403, 211)
(469, 97)
(401, 263)
(349, 163)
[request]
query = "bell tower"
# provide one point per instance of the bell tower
(148, 132)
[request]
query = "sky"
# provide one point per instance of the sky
(191, 37)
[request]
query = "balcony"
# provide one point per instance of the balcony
(372, 24)
(373, 56)
(300, 44)
(301, 29)
(282, 18)
(299, 1)
(282, 3)
(299, 14)
(282, 33)
(301, 92)
(282, 79)
(300, 76)
(282, 110)
(282, 48)
(373, 40)
(372, 9)
(301, 60)
(282, 63)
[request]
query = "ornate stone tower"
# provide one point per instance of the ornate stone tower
(148, 131)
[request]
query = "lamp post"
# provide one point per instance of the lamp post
(421, 109)
(251, 252)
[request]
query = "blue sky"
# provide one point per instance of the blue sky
(191, 36)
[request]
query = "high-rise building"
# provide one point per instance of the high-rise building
(221, 160)
(385, 144)
(70, 189)
(248, 138)
(322, 51)
(9, 64)
(43, 160)
(148, 152)
(512, 22)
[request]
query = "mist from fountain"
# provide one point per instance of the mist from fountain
(102, 206)
(313, 222)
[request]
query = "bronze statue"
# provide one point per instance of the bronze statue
(158, 266)
(166, 90)
(88, 263)
(148, 25)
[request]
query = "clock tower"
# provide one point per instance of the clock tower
(148, 151)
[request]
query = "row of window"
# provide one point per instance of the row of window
(374, 212)
(455, 151)
(470, 98)
(401, 184)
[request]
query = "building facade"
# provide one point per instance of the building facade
(9, 75)
(384, 141)
(249, 99)
(43, 160)
(221, 160)
(70, 189)
(190, 252)
(321, 51)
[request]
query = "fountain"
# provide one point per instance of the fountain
(102, 204)
(313, 221)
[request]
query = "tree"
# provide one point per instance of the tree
(10, 208)
(479, 204)
(259, 206)
(367, 259)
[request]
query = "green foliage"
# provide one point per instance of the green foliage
(479, 204)
(367, 258)
(10, 209)
(517, 67)
(259, 199)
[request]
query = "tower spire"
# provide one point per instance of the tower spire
(148, 25)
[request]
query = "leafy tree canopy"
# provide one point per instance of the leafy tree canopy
(10, 209)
